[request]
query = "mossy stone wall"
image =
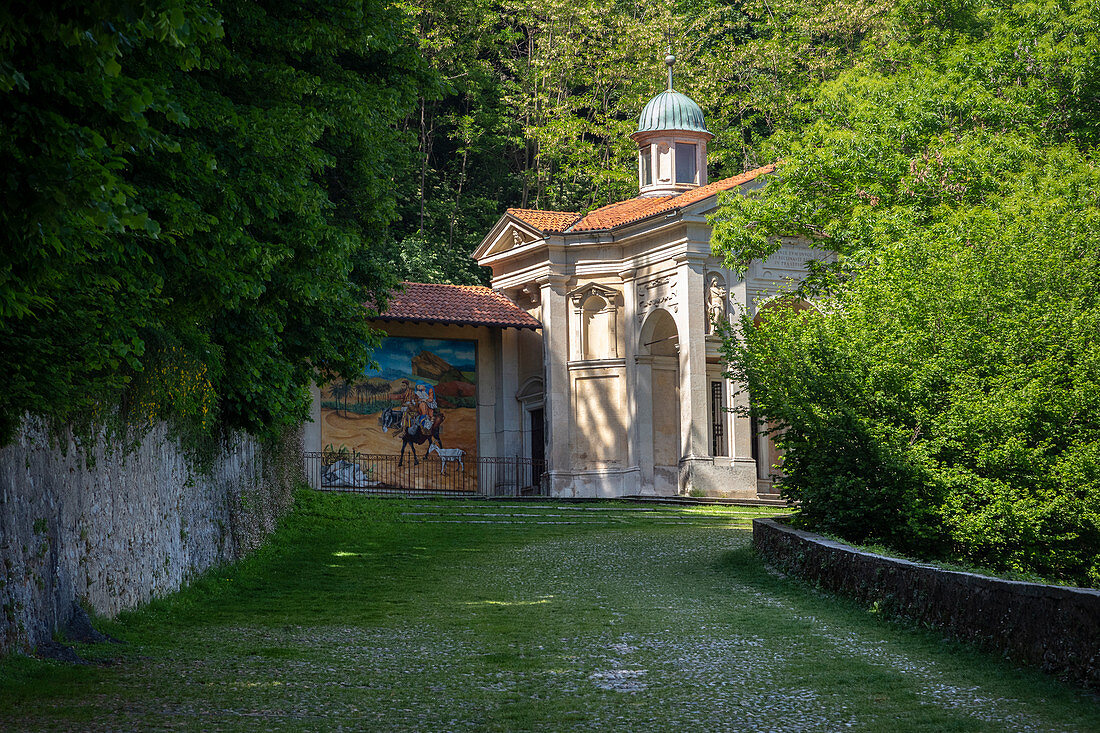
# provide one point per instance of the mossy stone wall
(1053, 627)
(86, 522)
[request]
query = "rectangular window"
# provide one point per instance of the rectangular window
(647, 165)
(685, 163)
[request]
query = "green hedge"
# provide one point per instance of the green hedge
(944, 396)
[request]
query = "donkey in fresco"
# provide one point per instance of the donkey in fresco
(417, 435)
(390, 417)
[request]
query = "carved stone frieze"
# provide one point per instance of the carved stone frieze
(660, 292)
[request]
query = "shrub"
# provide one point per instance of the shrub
(944, 399)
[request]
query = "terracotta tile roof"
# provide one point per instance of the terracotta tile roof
(631, 210)
(551, 222)
(621, 212)
(467, 305)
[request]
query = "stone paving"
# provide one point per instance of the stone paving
(653, 654)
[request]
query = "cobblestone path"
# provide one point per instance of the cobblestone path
(553, 617)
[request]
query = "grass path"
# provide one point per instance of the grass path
(435, 616)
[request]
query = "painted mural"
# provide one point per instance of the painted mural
(411, 423)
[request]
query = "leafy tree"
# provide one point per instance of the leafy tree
(540, 98)
(944, 397)
(204, 184)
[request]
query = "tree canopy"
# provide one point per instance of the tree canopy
(196, 198)
(538, 101)
(945, 396)
(202, 195)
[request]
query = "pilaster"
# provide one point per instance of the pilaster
(630, 373)
(741, 444)
(558, 411)
(693, 357)
(509, 410)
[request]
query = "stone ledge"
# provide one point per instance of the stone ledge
(1054, 627)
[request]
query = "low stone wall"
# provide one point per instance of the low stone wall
(1056, 628)
(112, 530)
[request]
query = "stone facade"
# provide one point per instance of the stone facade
(630, 297)
(83, 523)
(621, 388)
(627, 372)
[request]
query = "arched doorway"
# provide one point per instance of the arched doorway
(660, 349)
(769, 459)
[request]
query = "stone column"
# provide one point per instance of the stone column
(489, 440)
(557, 408)
(741, 439)
(642, 430)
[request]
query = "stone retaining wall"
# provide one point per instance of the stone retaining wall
(113, 530)
(1056, 628)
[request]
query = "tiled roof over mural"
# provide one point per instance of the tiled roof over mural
(466, 305)
(631, 210)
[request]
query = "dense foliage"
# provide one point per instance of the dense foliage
(540, 97)
(195, 201)
(199, 194)
(944, 398)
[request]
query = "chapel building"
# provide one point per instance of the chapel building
(624, 378)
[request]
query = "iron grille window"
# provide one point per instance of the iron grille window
(717, 421)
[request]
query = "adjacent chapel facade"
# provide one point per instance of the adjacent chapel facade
(624, 379)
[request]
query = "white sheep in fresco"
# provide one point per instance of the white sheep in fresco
(447, 455)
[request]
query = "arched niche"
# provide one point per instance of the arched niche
(659, 362)
(595, 323)
(659, 336)
(780, 305)
(715, 300)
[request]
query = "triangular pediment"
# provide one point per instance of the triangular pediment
(581, 294)
(508, 234)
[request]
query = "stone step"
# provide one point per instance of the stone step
(772, 500)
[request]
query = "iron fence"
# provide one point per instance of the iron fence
(435, 475)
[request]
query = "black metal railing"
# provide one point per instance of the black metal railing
(438, 474)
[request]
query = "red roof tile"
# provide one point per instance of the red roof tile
(612, 215)
(551, 222)
(636, 209)
(467, 305)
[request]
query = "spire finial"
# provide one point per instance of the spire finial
(670, 60)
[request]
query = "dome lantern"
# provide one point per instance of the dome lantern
(672, 143)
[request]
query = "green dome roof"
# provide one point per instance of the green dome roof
(671, 110)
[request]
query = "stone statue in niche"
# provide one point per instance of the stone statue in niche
(716, 302)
